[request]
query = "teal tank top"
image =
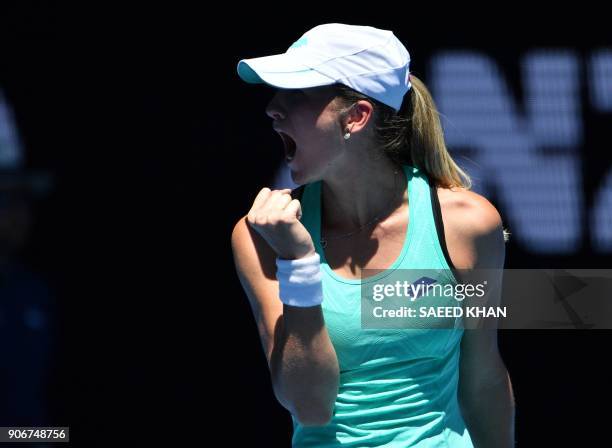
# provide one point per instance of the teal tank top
(398, 387)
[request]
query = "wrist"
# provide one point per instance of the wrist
(310, 253)
(299, 281)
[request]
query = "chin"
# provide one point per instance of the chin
(299, 176)
(296, 176)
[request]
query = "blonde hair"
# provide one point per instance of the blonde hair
(413, 135)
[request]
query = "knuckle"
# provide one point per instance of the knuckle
(273, 220)
(256, 219)
(263, 194)
(261, 220)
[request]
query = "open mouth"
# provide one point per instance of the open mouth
(289, 145)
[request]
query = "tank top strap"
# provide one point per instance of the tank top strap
(429, 247)
(420, 215)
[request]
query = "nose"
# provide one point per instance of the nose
(273, 109)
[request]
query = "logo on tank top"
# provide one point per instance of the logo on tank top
(417, 291)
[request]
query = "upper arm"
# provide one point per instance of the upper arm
(256, 268)
(480, 362)
(255, 263)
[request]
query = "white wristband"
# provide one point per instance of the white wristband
(299, 281)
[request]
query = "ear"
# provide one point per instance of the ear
(358, 116)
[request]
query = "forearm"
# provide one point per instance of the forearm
(488, 411)
(304, 366)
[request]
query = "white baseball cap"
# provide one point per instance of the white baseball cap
(369, 60)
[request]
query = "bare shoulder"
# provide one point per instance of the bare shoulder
(471, 212)
(473, 228)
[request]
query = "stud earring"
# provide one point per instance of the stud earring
(347, 135)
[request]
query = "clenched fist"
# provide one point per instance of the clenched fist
(276, 217)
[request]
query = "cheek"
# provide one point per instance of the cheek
(324, 147)
(321, 140)
(327, 137)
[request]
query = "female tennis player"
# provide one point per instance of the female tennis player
(378, 191)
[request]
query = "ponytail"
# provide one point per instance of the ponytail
(426, 144)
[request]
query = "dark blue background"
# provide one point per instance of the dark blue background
(158, 148)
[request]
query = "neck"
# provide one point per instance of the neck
(354, 196)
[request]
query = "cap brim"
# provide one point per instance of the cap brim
(281, 70)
